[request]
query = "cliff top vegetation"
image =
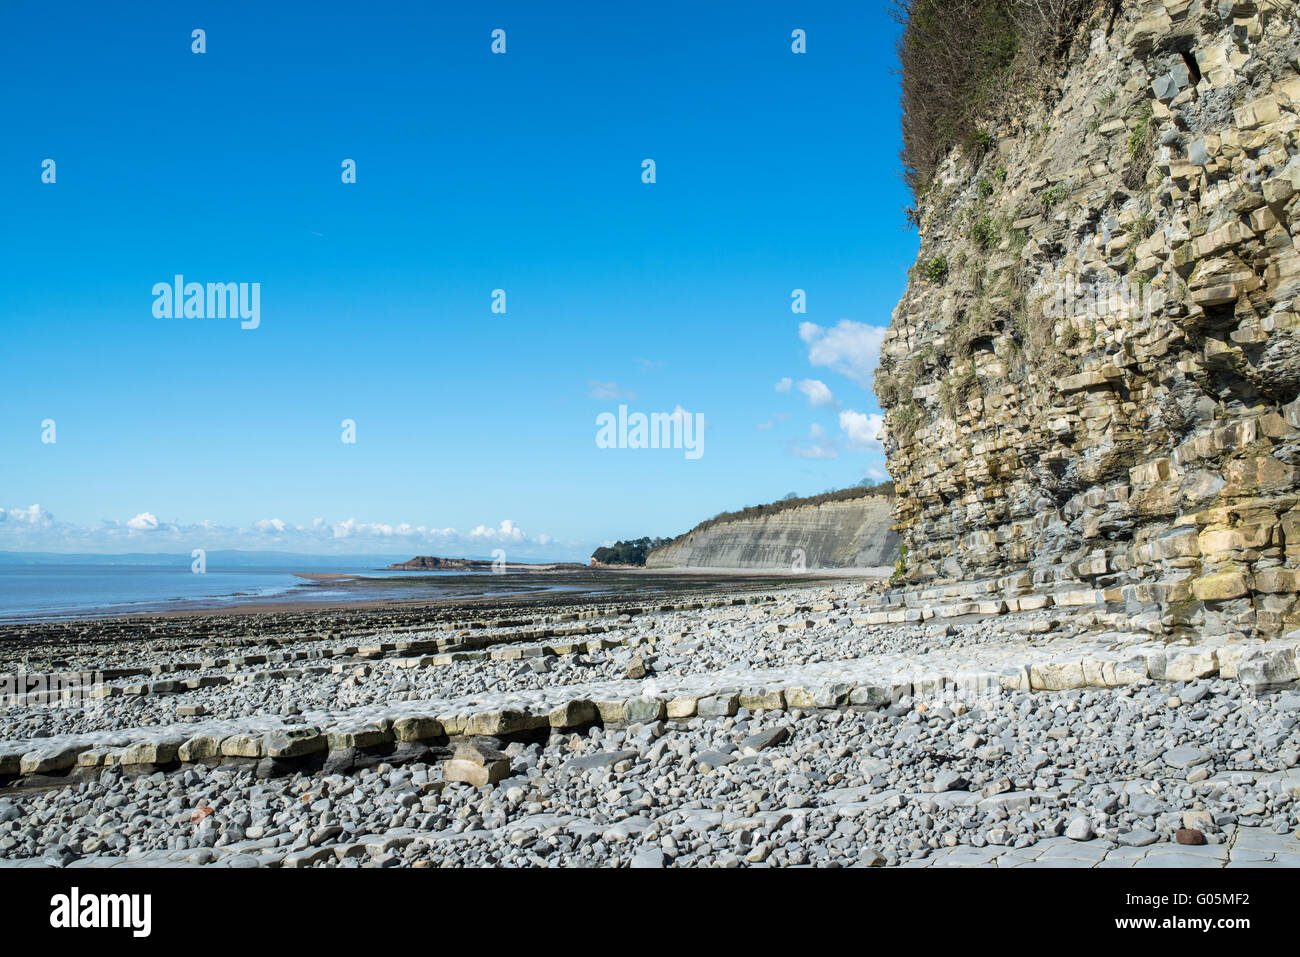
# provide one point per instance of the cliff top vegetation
(962, 61)
(631, 552)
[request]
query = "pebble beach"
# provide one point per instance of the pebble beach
(819, 723)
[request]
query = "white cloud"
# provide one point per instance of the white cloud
(507, 531)
(352, 529)
(819, 446)
(34, 529)
(864, 430)
(33, 515)
(783, 385)
(849, 348)
(819, 395)
(815, 451)
(144, 522)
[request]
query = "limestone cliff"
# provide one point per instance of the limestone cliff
(855, 533)
(1093, 374)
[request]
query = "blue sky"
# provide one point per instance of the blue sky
(475, 171)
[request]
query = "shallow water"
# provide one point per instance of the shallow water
(59, 591)
(56, 591)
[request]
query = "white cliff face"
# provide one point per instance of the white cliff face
(852, 534)
(1093, 374)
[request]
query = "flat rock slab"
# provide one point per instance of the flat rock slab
(601, 759)
(714, 759)
(764, 740)
(1185, 756)
(1138, 837)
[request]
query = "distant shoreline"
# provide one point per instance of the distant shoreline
(427, 563)
(433, 563)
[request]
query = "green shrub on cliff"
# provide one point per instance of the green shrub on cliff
(900, 566)
(906, 418)
(1137, 140)
(985, 232)
(1140, 147)
(936, 269)
(1054, 195)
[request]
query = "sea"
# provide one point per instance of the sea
(50, 587)
(51, 590)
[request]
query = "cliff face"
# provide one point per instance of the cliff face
(850, 534)
(1093, 375)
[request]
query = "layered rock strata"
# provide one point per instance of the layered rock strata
(1092, 378)
(851, 534)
